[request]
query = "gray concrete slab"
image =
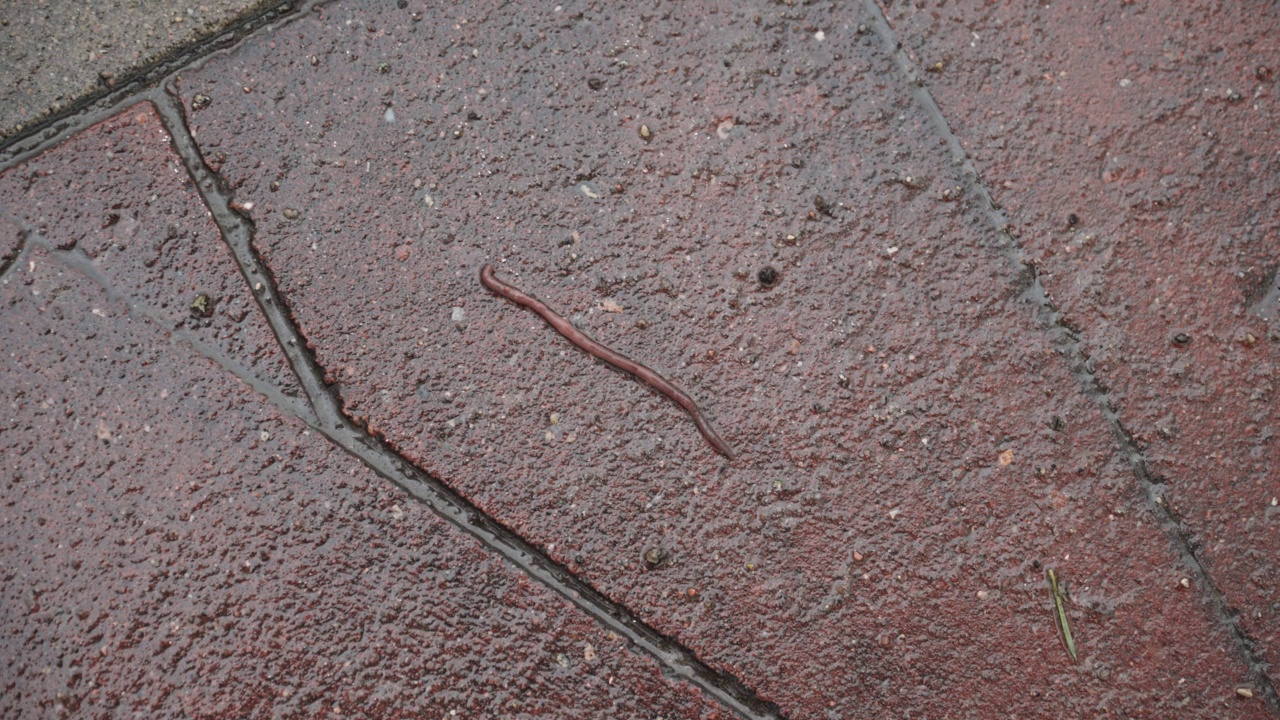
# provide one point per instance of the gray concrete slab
(57, 54)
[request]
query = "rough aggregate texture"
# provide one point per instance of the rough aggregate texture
(1153, 126)
(56, 52)
(175, 546)
(136, 216)
(913, 452)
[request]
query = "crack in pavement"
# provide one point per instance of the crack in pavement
(76, 260)
(1068, 344)
(237, 231)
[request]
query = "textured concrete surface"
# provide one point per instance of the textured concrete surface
(749, 199)
(175, 546)
(137, 219)
(1155, 128)
(54, 53)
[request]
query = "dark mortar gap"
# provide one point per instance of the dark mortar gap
(39, 135)
(1067, 341)
(675, 659)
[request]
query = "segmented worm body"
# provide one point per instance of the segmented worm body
(490, 280)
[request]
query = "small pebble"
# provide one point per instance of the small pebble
(202, 306)
(1244, 692)
(645, 135)
(291, 214)
(458, 317)
(654, 556)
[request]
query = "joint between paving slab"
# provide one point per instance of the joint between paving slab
(1068, 343)
(237, 231)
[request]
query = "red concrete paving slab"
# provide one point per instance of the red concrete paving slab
(120, 195)
(912, 453)
(1154, 126)
(175, 546)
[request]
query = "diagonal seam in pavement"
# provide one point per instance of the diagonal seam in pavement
(1068, 344)
(237, 232)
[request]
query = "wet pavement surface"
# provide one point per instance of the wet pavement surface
(177, 546)
(1148, 204)
(931, 401)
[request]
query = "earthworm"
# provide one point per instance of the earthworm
(490, 280)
